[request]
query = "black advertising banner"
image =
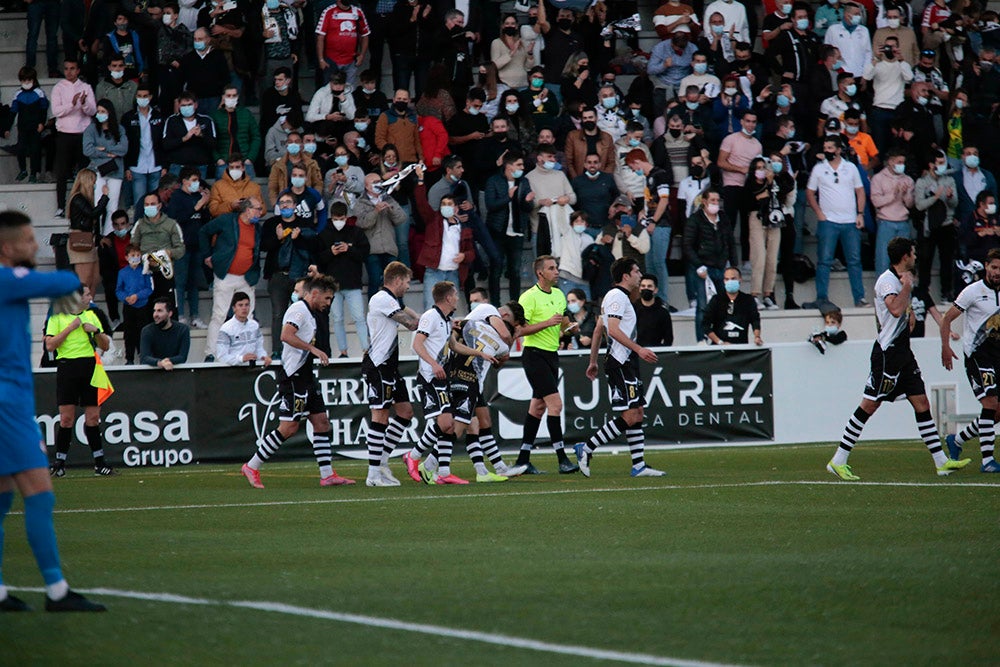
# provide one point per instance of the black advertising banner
(214, 414)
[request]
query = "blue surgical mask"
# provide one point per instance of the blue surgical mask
(839, 64)
(610, 102)
(298, 181)
(718, 29)
(971, 161)
(199, 46)
(361, 127)
(150, 211)
(579, 229)
(633, 143)
(142, 102)
(831, 329)
(783, 100)
(295, 297)
(960, 103)
(512, 108)
(732, 286)
(473, 111)
(474, 305)
(791, 133)
(640, 172)
(899, 168)
(362, 144)
(856, 19)
(851, 90)
(518, 173)
(447, 212)
(294, 149)
(574, 307)
(549, 164)
(272, 4)
(134, 261)
(193, 187)
(341, 160)
(939, 169)
(117, 75)
(776, 167)
(287, 212)
(700, 68)
(692, 106)
(101, 117)
(802, 24)
(309, 147)
(187, 110)
(121, 233)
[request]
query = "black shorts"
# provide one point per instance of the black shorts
(624, 385)
(434, 396)
(542, 369)
(385, 385)
(299, 398)
(73, 382)
(894, 374)
(980, 368)
(465, 398)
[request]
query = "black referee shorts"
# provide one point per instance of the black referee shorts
(73, 382)
(542, 369)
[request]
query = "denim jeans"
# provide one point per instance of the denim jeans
(849, 236)
(566, 284)
(433, 276)
(403, 237)
(187, 281)
(142, 184)
(356, 305)
(375, 264)
(656, 259)
(701, 296)
(888, 230)
(39, 10)
(350, 71)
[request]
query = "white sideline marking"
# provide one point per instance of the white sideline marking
(505, 641)
(502, 494)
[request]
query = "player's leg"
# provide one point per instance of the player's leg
(929, 434)
(322, 446)
(852, 433)
(435, 396)
(986, 426)
(7, 601)
(613, 428)
(39, 500)
(64, 437)
(92, 430)
(532, 421)
(553, 419)
(954, 442)
(291, 410)
(636, 439)
(399, 420)
(489, 445)
(380, 391)
(451, 430)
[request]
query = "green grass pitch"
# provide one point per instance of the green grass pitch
(740, 556)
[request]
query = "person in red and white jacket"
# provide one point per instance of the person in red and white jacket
(448, 249)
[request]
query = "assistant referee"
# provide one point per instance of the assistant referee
(544, 307)
(74, 335)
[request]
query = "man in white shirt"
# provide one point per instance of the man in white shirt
(734, 14)
(240, 341)
(835, 193)
(889, 75)
(853, 40)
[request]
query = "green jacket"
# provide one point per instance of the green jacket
(247, 134)
(226, 231)
(163, 234)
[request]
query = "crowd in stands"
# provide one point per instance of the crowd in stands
(168, 117)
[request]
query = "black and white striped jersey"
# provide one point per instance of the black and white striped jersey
(981, 305)
(892, 331)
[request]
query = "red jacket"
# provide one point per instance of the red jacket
(430, 253)
(433, 141)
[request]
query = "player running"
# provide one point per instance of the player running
(380, 367)
(544, 309)
(297, 387)
(23, 462)
(894, 370)
(980, 302)
(621, 368)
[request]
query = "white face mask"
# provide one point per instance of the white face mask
(579, 229)
(712, 209)
(893, 23)
(447, 212)
(991, 209)
(168, 19)
(236, 174)
(230, 102)
(339, 224)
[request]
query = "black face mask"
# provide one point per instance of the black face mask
(589, 125)
(646, 294)
(696, 171)
(584, 69)
(532, 20)
(401, 107)
(674, 133)
(830, 155)
(564, 24)
(510, 31)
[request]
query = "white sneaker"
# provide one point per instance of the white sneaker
(511, 471)
(387, 476)
(182, 319)
(646, 471)
(769, 303)
(760, 304)
(198, 323)
(378, 481)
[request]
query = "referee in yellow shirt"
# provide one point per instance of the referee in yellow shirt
(74, 335)
(544, 310)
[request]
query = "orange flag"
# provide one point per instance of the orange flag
(101, 380)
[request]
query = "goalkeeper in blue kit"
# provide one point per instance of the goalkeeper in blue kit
(23, 461)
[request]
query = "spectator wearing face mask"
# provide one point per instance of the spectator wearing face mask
(582, 316)
(281, 171)
(653, 327)
(134, 289)
(853, 40)
(236, 131)
(111, 257)
(188, 137)
(398, 126)
(234, 186)
(340, 251)
(595, 191)
(589, 139)
(573, 243)
(669, 63)
(906, 39)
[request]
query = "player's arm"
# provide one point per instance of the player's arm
(25, 284)
(936, 315)
(288, 331)
(420, 348)
(947, 354)
(553, 321)
(615, 331)
(54, 341)
(459, 347)
(501, 328)
(595, 348)
(407, 317)
(898, 303)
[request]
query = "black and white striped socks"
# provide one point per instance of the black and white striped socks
(852, 432)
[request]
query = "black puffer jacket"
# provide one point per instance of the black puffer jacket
(709, 245)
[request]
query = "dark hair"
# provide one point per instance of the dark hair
(131, 247)
(122, 213)
(982, 196)
(441, 290)
(548, 149)
(237, 297)
(480, 290)
(835, 314)
(651, 276)
(899, 248)
(621, 267)
(167, 181)
(166, 301)
(116, 58)
(13, 219)
(187, 95)
(144, 87)
(235, 157)
(451, 161)
(321, 283)
(113, 129)
(578, 293)
(28, 74)
(188, 172)
(994, 253)
(516, 311)
(338, 209)
(287, 71)
(476, 94)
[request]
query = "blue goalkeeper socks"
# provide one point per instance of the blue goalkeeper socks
(42, 535)
(6, 500)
